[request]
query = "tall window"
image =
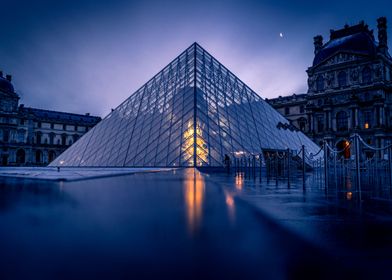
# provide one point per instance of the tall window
(342, 79)
(21, 136)
(366, 75)
(302, 109)
(320, 83)
(302, 124)
(287, 111)
(367, 118)
(20, 156)
(63, 139)
(38, 137)
(341, 121)
(320, 123)
(38, 156)
(51, 138)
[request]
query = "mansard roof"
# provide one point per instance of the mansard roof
(60, 117)
(356, 39)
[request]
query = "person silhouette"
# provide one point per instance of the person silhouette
(226, 162)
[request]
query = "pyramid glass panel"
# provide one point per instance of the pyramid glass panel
(192, 113)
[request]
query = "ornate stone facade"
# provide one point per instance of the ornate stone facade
(30, 136)
(349, 88)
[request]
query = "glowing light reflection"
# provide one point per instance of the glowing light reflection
(194, 196)
(230, 207)
(239, 181)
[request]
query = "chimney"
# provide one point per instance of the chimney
(9, 78)
(382, 35)
(318, 43)
(87, 114)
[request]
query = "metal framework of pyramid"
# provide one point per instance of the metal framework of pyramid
(191, 113)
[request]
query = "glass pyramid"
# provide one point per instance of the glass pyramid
(191, 113)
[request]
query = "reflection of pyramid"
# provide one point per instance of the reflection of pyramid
(191, 113)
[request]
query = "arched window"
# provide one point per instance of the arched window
(341, 121)
(51, 156)
(38, 156)
(20, 156)
(366, 75)
(320, 83)
(75, 137)
(51, 138)
(38, 137)
(64, 139)
(342, 79)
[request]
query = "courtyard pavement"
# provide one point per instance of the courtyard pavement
(182, 224)
(357, 233)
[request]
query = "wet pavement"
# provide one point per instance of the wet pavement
(179, 224)
(355, 232)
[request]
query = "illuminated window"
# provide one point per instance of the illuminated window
(367, 118)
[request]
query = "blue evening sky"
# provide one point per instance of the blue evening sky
(88, 56)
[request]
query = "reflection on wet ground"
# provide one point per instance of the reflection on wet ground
(358, 233)
(180, 224)
(194, 195)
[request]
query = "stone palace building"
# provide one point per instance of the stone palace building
(349, 89)
(30, 136)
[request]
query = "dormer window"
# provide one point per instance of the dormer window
(320, 83)
(342, 79)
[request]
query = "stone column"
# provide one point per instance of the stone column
(310, 121)
(381, 115)
(356, 117)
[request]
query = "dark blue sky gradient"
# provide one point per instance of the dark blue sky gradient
(88, 56)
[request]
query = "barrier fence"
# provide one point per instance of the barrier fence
(357, 171)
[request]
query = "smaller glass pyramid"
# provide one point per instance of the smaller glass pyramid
(192, 113)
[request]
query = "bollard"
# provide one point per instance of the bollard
(390, 169)
(260, 163)
(325, 167)
(303, 168)
(357, 167)
(288, 168)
